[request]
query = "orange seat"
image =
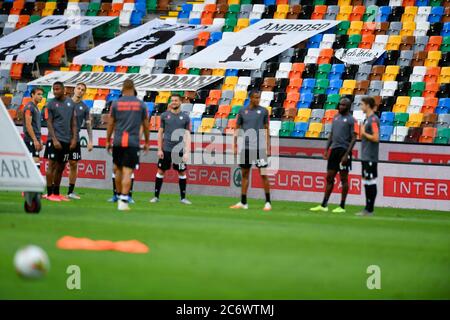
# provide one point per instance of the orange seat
(155, 123)
(432, 74)
(429, 105)
(357, 13)
(202, 39)
(231, 126)
(16, 71)
(223, 111)
(17, 7)
(56, 54)
(329, 116)
(325, 56)
(181, 70)
(101, 94)
(319, 12)
(12, 113)
(74, 67)
(23, 21)
(428, 135)
(121, 69)
(367, 41)
(294, 85)
(297, 70)
(434, 43)
(115, 9)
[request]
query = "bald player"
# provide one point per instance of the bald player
(128, 113)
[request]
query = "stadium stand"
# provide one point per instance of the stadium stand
(300, 87)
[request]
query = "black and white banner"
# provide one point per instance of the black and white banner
(25, 44)
(143, 82)
(357, 55)
(249, 48)
(134, 47)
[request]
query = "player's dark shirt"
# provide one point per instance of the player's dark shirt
(62, 113)
(172, 123)
(32, 110)
(342, 131)
(129, 112)
(369, 149)
(82, 114)
(252, 121)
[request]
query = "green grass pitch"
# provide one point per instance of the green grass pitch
(207, 251)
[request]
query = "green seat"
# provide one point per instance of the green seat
(321, 86)
(445, 46)
(86, 67)
(369, 15)
(323, 71)
(287, 125)
(443, 136)
(99, 32)
(284, 133)
(232, 22)
(34, 18)
(319, 2)
(246, 2)
(152, 5)
(180, 93)
(342, 27)
(435, 3)
(134, 69)
(46, 89)
(400, 119)
(417, 89)
(234, 112)
(234, 8)
(195, 71)
(110, 29)
(353, 41)
(332, 101)
(43, 58)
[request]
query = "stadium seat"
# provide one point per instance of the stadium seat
(442, 136)
(399, 134)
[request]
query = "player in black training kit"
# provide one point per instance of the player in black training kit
(174, 144)
(341, 141)
(370, 142)
(32, 125)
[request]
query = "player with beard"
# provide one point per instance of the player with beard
(341, 141)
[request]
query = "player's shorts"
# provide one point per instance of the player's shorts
(75, 154)
(126, 157)
(30, 146)
(253, 157)
(166, 162)
(334, 161)
(369, 170)
(51, 153)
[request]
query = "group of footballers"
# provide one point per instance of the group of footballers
(129, 121)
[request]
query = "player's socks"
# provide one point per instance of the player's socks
(158, 184)
(131, 186)
(49, 191)
(114, 184)
(268, 197)
(244, 199)
(124, 198)
(324, 203)
(342, 205)
(56, 190)
(71, 188)
(371, 194)
(182, 183)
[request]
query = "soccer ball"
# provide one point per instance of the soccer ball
(31, 262)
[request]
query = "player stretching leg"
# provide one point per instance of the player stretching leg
(32, 127)
(82, 115)
(173, 134)
(369, 154)
(341, 140)
(128, 113)
(252, 121)
(62, 138)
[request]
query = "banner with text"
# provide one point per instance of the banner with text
(25, 44)
(249, 48)
(142, 82)
(135, 47)
(358, 55)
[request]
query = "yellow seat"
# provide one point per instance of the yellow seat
(408, 28)
(415, 119)
(64, 69)
(269, 110)
(355, 27)
(348, 86)
(218, 72)
(314, 130)
(282, 10)
(230, 83)
(342, 3)
(444, 77)
(410, 14)
(98, 68)
(241, 24)
(390, 73)
(432, 59)
(42, 103)
(162, 97)
(239, 98)
(401, 105)
(90, 94)
(303, 115)
(344, 13)
(206, 125)
(48, 9)
(234, 2)
(393, 42)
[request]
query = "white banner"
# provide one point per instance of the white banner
(357, 55)
(17, 169)
(144, 82)
(134, 47)
(25, 44)
(249, 48)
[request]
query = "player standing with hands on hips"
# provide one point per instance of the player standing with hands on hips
(174, 145)
(127, 115)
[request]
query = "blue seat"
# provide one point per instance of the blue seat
(421, 3)
(335, 86)
(89, 103)
(150, 107)
(109, 69)
(136, 18)
(305, 100)
(387, 118)
(435, 14)
(336, 72)
(380, 60)
(386, 132)
(246, 103)
(308, 85)
(253, 21)
(383, 14)
(300, 129)
(231, 73)
(443, 106)
(446, 30)
(113, 95)
(270, 2)
(314, 42)
(186, 8)
(195, 124)
(195, 21)
(214, 37)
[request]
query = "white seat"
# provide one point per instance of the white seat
(399, 134)
(266, 98)
(174, 52)
(284, 70)
(422, 14)
(148, 67)
(380, 42)
(418, 74)
(327, 41)
(389, 88)
(124, 18)
(98, 106)
(421, 28)
(416, 103)
(72, 10)
(359, 116)
(274, 127)
(198, 109)
(220, 22)
(312, 55)
(243, 83)
(395, 3)
(195, 14)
